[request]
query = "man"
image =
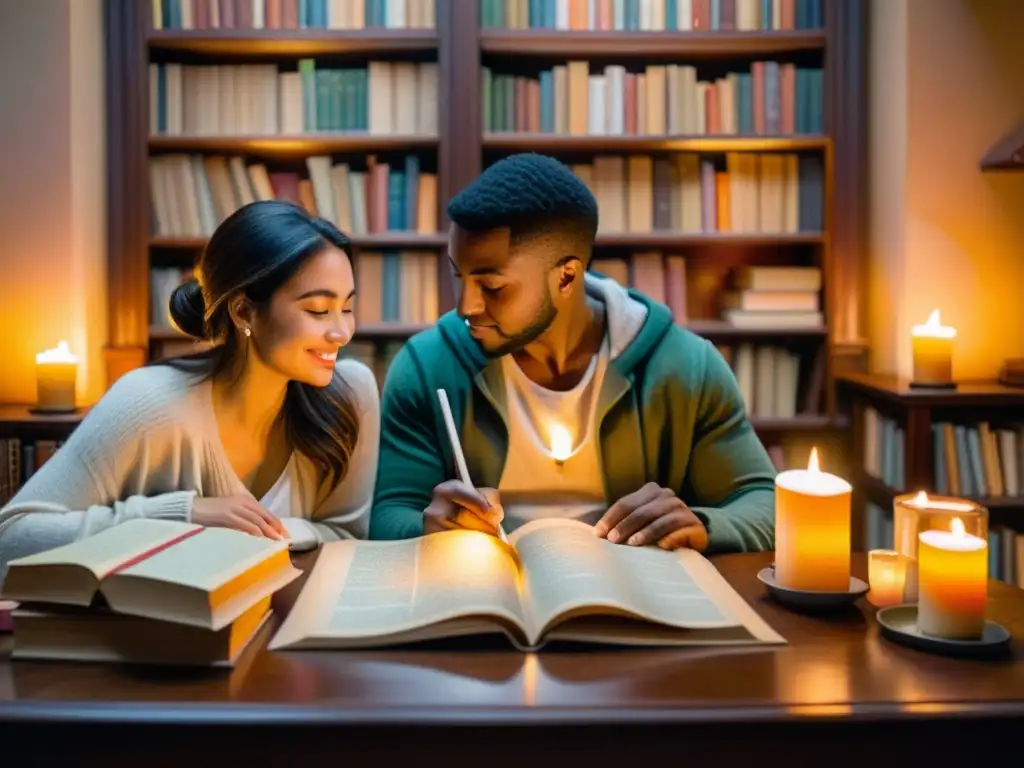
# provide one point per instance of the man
(572, 395)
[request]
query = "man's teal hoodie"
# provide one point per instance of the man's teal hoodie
(669, 411)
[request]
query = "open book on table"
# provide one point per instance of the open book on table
(554, 580)
(157, 569)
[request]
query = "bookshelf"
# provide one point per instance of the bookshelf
(249, 95)
(462, 45)
(533, 49)
(967, 443)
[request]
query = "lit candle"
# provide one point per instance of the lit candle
(885, 577)
(56, 371)
(933, 351)
(812, 529)
(914, 513)
(561, 443)
(952, 583)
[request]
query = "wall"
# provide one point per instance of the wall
(52, 190)
(947, 81)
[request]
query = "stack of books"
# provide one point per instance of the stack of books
(147, 591)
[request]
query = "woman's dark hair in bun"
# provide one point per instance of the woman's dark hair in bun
(188, 309)
(254, 252)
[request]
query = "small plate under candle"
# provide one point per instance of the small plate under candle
(811, 600)
(899, 624)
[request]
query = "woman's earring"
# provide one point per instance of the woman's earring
(248, 331)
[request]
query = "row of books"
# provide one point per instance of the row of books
(382, 98)
(778, 298)
(393, 287)
(652, 15)
(192, 194)
(1005, 545)
(884, 444)
(778, 193)
(293, 14)
(771, 99)
(19, 459)
(769, 379)
(973, 460)
(977, 460)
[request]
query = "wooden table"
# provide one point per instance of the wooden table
(837, 694)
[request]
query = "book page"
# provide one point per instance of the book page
(207, 560)
(372, 589)
(567, 568)
(104, 551)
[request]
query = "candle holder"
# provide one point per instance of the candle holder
(916, 512)
(898, 623)
(811, 601)
(946, 386)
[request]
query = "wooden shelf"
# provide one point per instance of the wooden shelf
(673, 239)
(556, 142)
(1004, 510)
(369, 241)
(968, 394)
(720, 329)
(656, 239)
(800, 423)
(547, 43)
(19, 421)
(307, 144)
(291, 42)
(364, 332)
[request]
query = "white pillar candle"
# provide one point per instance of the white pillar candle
(952, 583)
(812, 529)
(56, 373)
(933, 351)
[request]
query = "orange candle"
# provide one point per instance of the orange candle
(933, 351)
(885, 577)
(952, 575)
(812, 529)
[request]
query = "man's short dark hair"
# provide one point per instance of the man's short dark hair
(530, 194)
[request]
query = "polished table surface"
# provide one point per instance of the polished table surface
(835, 671)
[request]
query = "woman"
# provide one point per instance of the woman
(266, 432)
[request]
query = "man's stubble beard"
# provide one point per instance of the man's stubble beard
(545, 317)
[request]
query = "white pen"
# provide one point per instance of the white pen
(460, 459)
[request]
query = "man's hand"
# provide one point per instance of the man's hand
(457, 505)
(652, 515)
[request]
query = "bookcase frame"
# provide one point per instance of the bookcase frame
(915, 410)
(460, 44)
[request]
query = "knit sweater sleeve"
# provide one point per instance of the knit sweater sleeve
(97, 479)
(344, 512)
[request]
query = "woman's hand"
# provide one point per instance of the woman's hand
(243, 513)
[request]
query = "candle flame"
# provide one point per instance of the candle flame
(921, 500)
(812, 464)
(561, 443)
(60, 354)
(934, 328)
(957, 526)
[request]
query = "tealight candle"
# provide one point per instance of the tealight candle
(885, 577)
(56, 372)
(933, 352)
(812, 529)
(952, 583)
